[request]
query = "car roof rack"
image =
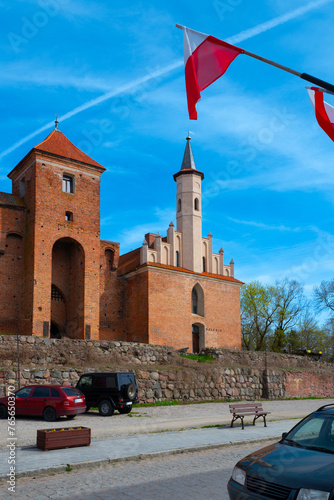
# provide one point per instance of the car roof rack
(325, 406)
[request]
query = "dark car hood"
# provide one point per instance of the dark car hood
(292, 467)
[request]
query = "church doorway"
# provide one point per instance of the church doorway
(55, 331)
(67, 291)
(198, 340)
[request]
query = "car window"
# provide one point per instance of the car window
(71, 391)
(41, 392)
(111, 382)
(24, 393)
(54, 393)
(86, 381)
(332, 429)
(100, 382)
(126, 378)
(309, 430)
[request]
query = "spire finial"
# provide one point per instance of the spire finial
(56, 123)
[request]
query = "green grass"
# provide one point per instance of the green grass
(202, 358)
(175, 402)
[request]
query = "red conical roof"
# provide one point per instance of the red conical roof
(57, 143)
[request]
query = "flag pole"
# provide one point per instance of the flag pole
(304, 76)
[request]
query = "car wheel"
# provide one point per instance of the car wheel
(130, 391)
(3, 411)
(125, 410)
(70, 417)
(106, 409)
(87, 409)
(50, 414)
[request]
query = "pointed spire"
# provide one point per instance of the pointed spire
(56, 123)
(188, 158)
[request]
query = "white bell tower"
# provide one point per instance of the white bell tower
(189, 211)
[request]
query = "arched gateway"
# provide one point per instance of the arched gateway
(67, 290)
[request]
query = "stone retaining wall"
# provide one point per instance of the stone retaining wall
(191, 384)
(161, 373)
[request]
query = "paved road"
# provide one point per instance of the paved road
(197, 475)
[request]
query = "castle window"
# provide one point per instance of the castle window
(194, 299)
(179, 205)
(204, 264)
(197, 300)
(110, 255)
(68, 183)
(196, 204)
(177, 258)
(22, 187)
(69, 216)
(56, 295)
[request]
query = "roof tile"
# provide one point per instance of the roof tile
(57, 143)
(11, 200)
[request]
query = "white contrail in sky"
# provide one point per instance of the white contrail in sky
(277, 21)
(240, 37)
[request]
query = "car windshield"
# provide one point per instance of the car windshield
(316, 432)
(71, 391)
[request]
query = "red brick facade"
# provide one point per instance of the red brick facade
(58, 278)
(160, 309)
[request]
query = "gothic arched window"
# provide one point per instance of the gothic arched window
(197, 300)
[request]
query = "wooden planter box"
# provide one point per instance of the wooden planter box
(64, 437)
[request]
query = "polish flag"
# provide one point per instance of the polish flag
(324, 112)
(206, 58)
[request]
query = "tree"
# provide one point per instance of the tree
(328, 349)
(311, 336)
(293, 341)
(278, 341)
(268, 312)
(292, 302)
(324, 296)
(259, 306)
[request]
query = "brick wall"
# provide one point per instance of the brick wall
(66, 253)
(308, 384)
(12, 226)
(112, 294)
(137, 290)
(170, 308)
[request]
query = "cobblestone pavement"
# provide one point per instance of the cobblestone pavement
(197, 475)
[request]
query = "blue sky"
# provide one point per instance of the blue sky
(115, 76)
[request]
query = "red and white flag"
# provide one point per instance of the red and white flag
(324, 112)
(206, 58)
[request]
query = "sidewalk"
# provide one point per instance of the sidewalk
(32, 461)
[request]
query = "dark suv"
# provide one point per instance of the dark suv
(109, 391)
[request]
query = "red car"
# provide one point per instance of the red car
(49, 401)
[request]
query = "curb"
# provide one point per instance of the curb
(140, 456)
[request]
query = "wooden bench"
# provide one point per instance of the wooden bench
(240, 410)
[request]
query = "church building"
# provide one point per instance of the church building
(59, 279)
